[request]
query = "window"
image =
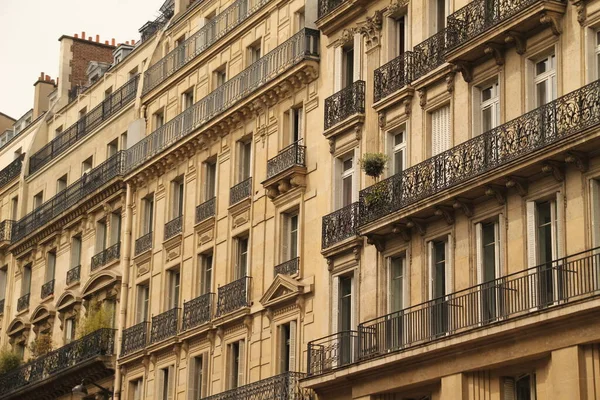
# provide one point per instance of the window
(397, 271)
(440, 282)
(136, 389)
(438, 13)
(299, 20)
(70, 330)
(400, 35)
(241, 259)
(198, 377)
(115, 227)
(220, 76)
(254, 52)
(205, 261)
(177, 194)
(166, 378)
(148, 214)
(3, 283)
(236, 364)
(158, 119)
(287, 347)
(101, 233)
(61, 183)
(14, 208)
(519, 388)
(38, 199)
(488, 266)
(290, 237)
(173, 288)
(210, 183)
(345, 303)
(26, 280)
(112, 148)
(50, 265)
(87, 165)
(489, 107)
(348, 65)
(75, 251)
(245, 156)
(346, 183)
(187, 99)
(293, 120)
(440, 130)
(397, 143)
(545, 80)
(142, 303)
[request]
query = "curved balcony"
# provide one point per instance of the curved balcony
(233, 296)
(286, 170)
(197, 311)
(134, 338)
(106, 256)
(164, 326)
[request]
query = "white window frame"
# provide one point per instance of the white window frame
(342, 175)
(196, 379)
(173, 288)
(405, 282)
(204, 271)
(288, 236)
(238, 380)
(492, 103)
(499, 224)
(549, 77)
(449, 264)
(397, 148)
(437, 142)
(142, 306)
(292, 327)
(167, 373)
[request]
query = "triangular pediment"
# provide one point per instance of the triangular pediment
(281, 290)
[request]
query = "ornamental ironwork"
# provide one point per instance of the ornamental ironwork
(304, 45)
(206, 210)
(345, 103)
(1, 306)
(11, 171)
(186, 51)
(164, 325)
(143, 243)
(197, 311)
(233, 296)
(73, 275)
(328, 6)
(290, 267)
(107, 255)
(241, 191)
(428, 55)
(90, 121)
(47, 289)
(97, 344)
(6, 227)
(279, 387)
(289, 157)
(174, 227)
(546, 286)
(340, 225)
(86, 185)
(23, 302)
(393, 76)
(134, 338)
(551, 123)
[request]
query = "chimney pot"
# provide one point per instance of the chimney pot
(76, 36)
(47, 77)
(42, 75)
(97, 38)
(112, 42)
(90, 38)
(106, 42)
(83, 35)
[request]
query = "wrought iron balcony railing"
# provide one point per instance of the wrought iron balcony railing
(344, 104)
(545, 286)
(174, 227)
(11, 171)
(332, 352)
(549, 124)
(393, 76)
(279, 387)
(47, 289)
(197, 311)
(1, 306)
(96, 344)
(73, 275)
(90, 121)
(303, 45)
(290, 157)
(143, 244)
(164, 326)
(72, 195)
(23, 302)
(340, 225)
(6, 227)
(327, 6)
(290, 267)
(134, 338)
(429, 54)
(233, 296)
(106, 256)
(196, 44)
(206, 210)
(241, 191)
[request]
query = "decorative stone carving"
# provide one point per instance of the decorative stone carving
(371, 29)
(422, 97)
(450, 81)
(518, 39)
(497, 51)
(580, 7)
(381, 119)
(553, 20)
(397, 7)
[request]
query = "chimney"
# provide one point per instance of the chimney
(42, 89)
(76, 36)
(83, 35)
(112, 42)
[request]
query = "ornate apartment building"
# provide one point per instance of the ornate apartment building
(189, 216)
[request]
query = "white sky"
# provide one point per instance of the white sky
(29, 32)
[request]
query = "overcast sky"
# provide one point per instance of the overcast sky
(29, 32)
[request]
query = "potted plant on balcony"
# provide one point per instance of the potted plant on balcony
(9, 360)
(97, 317)
(42, 345)
(373, 164)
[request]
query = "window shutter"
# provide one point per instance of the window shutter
(170, 382)
(479, 252)
(357, 56)
(508, 389)
(560, 223)
(242, 364)
(440, 130)
(300, 112)
(431, 269)
(285, 238)
(161, 384)
(532, 251)
(335, 304)
(338, 65)
(204, 391)
(192, 379)
(292, 346)
(449, 265)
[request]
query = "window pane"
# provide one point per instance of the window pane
(348, 164)
(399, 139)
(439, 278)
(541, 66)
(486, 93)
(347, 191)
(396, 283)
(541, 92)
(486, 119)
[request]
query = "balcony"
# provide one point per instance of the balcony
(286, 170)
(73, 275)
(346, 103)
(241, 191)
(233, 296)
(1, 306)
(174, 227)
(478, 159)
(23, 302)
(538, 289)
(56, 373)
(197, 311)
(143, 244)
(11, 171)
(340, 225)
(393, 76)
(205, 37)
(106, 256)
(487, 26)
(206, 210)
(6, 227)
(47, 289)
(290, 267)
(87, 185)
(90, 121)
(164, 326)
(284, 386)
(134, 338)
(428, 55)
(301, 47)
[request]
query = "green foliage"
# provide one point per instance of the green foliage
(373, 164)
(42, 345)
(97, 317)
(9, 360)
